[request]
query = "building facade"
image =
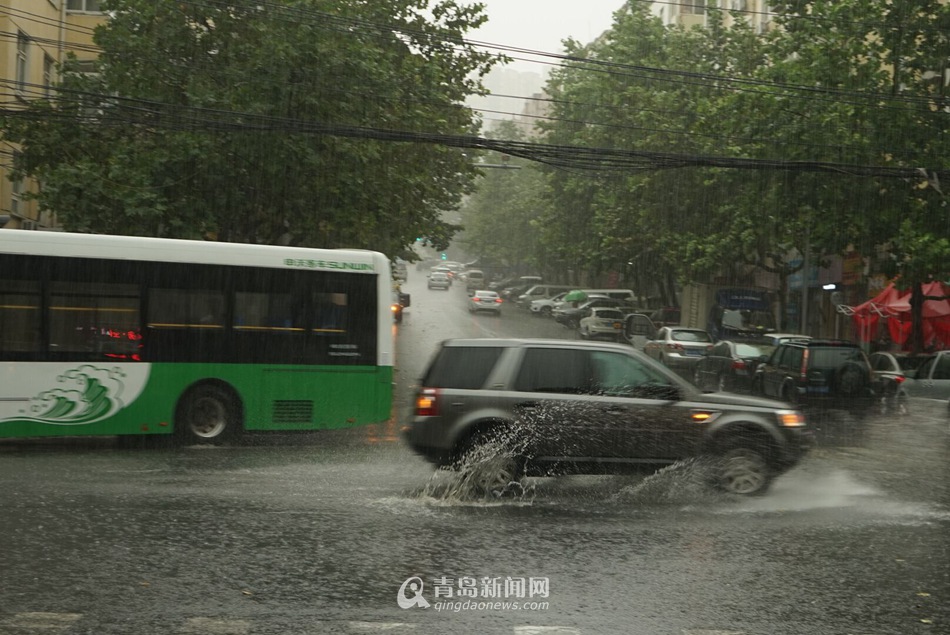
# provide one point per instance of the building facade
(38, 36)
(689, 13)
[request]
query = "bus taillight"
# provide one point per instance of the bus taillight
(427, 402)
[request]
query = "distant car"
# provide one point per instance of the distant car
(602, 323)
(498, 409)
(893, 370)
(443, 269)
(570, 316)
(819, 373)
(667, 316)
(439, 280)
(774, 339)
(540, 292)
(474, 280)
(678, 347)
(485, 301)
(730, 365)
(546, 306)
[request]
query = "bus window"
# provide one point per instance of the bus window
(19, 316)
(185, 309)
(100, 318)
(330, 313)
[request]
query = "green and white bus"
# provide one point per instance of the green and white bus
(118, 335)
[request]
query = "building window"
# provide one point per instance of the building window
(18, 187)
(693, 7)
(89, 6)
(22, 61)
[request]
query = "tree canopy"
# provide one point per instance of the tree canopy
(215, 119)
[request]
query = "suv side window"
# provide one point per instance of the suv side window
(462, 367)
(793, 358)
(560, 370)
(620, 375)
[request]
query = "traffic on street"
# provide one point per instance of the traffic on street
(350, 531)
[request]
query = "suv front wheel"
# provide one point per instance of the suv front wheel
(743, 471)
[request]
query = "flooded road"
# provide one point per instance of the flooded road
(319, 534)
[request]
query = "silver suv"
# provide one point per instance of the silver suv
(547, 406)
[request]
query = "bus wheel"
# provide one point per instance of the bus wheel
(208, 414)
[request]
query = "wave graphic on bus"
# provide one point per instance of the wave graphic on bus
(91, 394)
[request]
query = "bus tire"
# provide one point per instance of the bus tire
(207, 414)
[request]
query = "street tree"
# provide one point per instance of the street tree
(259, 122)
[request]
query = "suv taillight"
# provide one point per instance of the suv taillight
(427, 402)
(803, 371)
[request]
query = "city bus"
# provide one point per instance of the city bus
(198, 340)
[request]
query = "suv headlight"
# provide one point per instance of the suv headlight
(790, 418)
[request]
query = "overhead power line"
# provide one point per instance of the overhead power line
(154, 116)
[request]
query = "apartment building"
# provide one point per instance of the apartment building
(688, 13)
(35, 37)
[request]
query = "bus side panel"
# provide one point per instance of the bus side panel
(82, 399)
(318, 397)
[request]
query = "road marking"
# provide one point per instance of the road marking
(375, 627)
(42, 621)
(216, 626)
(546, 630)
(703, 631)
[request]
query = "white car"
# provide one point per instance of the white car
(546, 306)
(485, 301)
(602, 322)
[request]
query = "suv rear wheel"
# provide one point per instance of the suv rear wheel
(489, 465)
(744, 471)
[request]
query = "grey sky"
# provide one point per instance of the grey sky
(542, 24)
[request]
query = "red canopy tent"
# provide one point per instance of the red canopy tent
(894, 306)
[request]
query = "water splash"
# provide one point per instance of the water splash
(686, 482)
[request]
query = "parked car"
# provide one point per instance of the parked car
(678, 347)
(730, 365)
(546, 307)
(515, 281)
(893, 370)
(498, 409)
(485, 301)
(667, 316)
(439, 280)
(570, 316)
(774, 339)
(818, 373)
(602, 323)
(930, 387)
(540, 292)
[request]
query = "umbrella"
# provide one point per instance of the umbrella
(575, 296)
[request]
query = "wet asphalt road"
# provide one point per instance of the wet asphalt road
(315, 534)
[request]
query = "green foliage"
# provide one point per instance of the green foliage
(201, 122)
